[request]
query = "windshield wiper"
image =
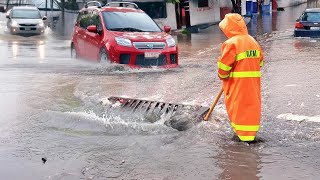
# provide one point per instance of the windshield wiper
(130, 29)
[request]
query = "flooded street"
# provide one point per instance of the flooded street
(53, 109)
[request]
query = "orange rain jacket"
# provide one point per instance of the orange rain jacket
(239, 68)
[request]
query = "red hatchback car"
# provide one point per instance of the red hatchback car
(122, 33)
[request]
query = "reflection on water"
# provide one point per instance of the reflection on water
(41, 50)
(15, 48)
(27, 49)
(239, 161)
(261, 24)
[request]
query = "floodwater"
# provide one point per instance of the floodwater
(54, 108)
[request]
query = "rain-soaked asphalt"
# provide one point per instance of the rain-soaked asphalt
(53, 107)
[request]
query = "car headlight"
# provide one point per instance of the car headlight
(40, 23)
(14, 23)
(171, 42)
(123, 41)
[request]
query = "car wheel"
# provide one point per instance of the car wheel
(104, 58)
(74, 54)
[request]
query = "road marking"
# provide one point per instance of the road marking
(293, 117)
(291, 85)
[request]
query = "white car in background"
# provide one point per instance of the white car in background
(25, 20)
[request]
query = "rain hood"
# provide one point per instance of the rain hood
(233, 25)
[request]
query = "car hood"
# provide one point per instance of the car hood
(27, 21)
(143, 36)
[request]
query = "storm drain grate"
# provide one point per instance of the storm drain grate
(158, 108)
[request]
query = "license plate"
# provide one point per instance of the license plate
(149, 55)
(315, 28)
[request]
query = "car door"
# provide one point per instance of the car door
(93, 40)
(80, 34)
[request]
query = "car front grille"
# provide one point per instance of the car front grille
(124, 58)
(28, 25)
(26, 29)
(160, 61)
(149, 45)
(173, 58)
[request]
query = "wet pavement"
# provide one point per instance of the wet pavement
(53, 107)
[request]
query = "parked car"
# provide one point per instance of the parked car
(122, 33)
(25, 20)
(308, 24)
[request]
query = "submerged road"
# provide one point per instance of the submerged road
(52, 108)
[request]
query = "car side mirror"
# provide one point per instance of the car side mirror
(167, 29)
(92, 28)
(7, 16)
(44, 18)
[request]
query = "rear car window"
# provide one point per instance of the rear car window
(311, 16)
(129, 21)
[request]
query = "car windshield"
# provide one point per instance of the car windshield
(130, 21)
(311, 16)
(25, 14)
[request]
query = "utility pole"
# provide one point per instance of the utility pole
(7, 5)
(51, 4)
(62, 15)
(46, 7)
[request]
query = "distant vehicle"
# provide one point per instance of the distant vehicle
(48, 8)
(25, 20)
(122, 33)
(308, 24)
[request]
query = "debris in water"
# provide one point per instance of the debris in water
(44, 160)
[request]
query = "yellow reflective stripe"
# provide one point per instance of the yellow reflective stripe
(245, 127)
(245, 74)
(224, 67)
(261, 63)
(248, 54)
(223, 76)
(246, 138)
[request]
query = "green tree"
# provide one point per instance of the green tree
(173, 1)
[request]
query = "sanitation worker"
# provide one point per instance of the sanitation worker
(239, 69)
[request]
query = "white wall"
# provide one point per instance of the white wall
(171, 18)
(171, 15)
(225, 3)
(204, 15)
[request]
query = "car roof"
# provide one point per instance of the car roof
(112, 9)
(313, 10)
(25, 7)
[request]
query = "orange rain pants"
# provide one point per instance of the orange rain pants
(239, 68)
